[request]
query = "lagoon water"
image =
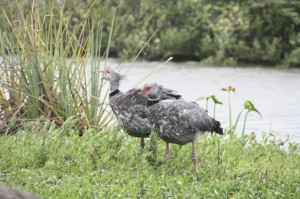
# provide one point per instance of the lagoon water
(274, 92)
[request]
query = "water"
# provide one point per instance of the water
(274, 92)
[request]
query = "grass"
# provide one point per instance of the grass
(55, 162)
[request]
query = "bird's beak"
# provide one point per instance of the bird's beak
(103, 76)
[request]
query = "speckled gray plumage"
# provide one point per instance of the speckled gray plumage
(130, 111)
(13, 193)
(130, 107)
(178, 121)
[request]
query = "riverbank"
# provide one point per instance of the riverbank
(56, 162)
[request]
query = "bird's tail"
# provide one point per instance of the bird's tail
(217, 127)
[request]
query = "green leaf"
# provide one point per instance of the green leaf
(248, 105)
(216, 101)
(202, 98)
(228, 89)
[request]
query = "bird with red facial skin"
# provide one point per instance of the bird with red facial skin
(177, 121)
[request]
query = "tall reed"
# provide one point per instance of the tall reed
(44, 68)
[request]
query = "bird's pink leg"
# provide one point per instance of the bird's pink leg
(142, 143)
(167, 151)
(194, 158)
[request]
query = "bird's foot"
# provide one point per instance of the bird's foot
(142, 143)
(165, 162)
(198, 178)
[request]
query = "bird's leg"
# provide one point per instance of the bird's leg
(142, 143)
(194, 158)
(167, 151)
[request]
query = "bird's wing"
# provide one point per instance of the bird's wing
(135, 96)
(194, 117)
(133, 103)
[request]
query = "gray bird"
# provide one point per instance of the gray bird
(177, 121)
(129, 108)
(13, 193)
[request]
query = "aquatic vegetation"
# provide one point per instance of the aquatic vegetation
(229, 89)
(215, 101)
(249, 106)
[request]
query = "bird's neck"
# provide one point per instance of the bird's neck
(114, 85)
(151, 102)
(113, 93)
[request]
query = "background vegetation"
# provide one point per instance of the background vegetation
(219, 32)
